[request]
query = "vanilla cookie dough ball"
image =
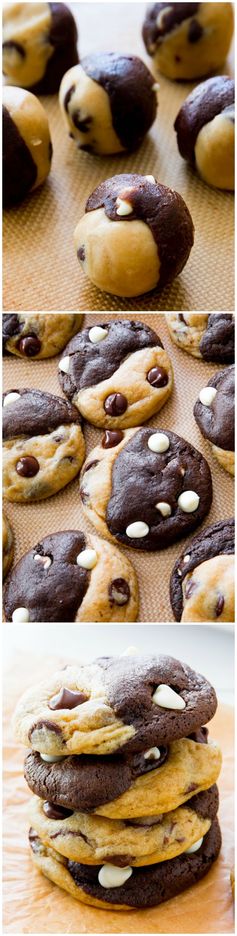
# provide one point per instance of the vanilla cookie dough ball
(136, 235)
(39, 45)
(108, 102)
(27, 147)
(188, 40)
(205, 131)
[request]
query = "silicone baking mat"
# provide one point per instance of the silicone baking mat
(30, 522)
(41, 270)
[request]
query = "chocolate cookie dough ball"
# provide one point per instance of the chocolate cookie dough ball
(214, 412)
(108, 102)
(136, 235)
(27, 147)
(205, 131)
(188, 40)
(7, 545)
(39, 45)
(202, 584)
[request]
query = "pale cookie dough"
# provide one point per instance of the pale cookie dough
(38, 335)
(27, 147)
(214, 412)
(39, 45)
(210, 337)
(205, 131)
(188, 40)
(7, 545)
(202, 580)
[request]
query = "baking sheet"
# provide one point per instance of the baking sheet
(40, 268)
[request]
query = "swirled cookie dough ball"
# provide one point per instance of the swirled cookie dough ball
(188, 40)
(108, 102)
(27, 147)
(136, 235)
(39, 45)
(205, 131)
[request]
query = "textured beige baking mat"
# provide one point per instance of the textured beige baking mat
(30, 522)
(41, 270)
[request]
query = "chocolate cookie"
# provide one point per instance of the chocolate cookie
(43, 444)
(210, 337)
(147, 490)
(125, 702)
(188, 40)
(72, 577)
(108, 102)
(36, 335)
(27, 147)
(148, 242)
(117, 374)
(205, 130)
(39, 45)
(214, 412)
(202, 581)
(7, 545)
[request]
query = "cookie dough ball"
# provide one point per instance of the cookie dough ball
(43, 445)
(39, 45)
(210, 337)
(214, 412)
(117, 374)
(109, 102)
(7, 545)
(203, 579)
(136, 235)
(188, 40)
(205, 131)
(27, 147)
(70, 576)
(36, 335)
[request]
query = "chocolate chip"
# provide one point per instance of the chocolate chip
(119, 591)
(112, 437)
(121, 861)
(157, 377)
(195, 31)
(115, 404)
(82, 125)
(27, 467)
(14, 46)
(81, 253)
(56, 812)
(30, 345)
(191, 788)
(190, 588)
(91, 465)
(219, 605)
(68, 96)
(34, 840)
(67, 699)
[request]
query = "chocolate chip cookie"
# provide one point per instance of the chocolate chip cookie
(7, 545)
(214, 412)
(202, 581)
(38, 335)
(210, 337)
(117, 373)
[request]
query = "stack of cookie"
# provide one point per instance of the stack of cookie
(124, 815)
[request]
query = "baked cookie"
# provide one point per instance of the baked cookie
(108, 102)
(117, 374)
(135, 235)
(7, 545)
(210, 337)
(27, 147)
(127, 888)
(129, 702)
(38, 335)
(147, 490)
(39, 45)
(188, 40)
(43, 445)
(214, 412)
(205, 131)
(127, 786)
(202, 581)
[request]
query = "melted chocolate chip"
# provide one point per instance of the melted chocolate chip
(157, 377)
(30, 345)
(81, 253)
(14, 46)
(119, 591)
(56, 812)
(27, 467)
(219, 605)
(34, 840)
(67, 699)
(115, 404)
(195, 31)
(111, 437)
(91, 465)
(191, 788)
(121, 861)
(68, 96)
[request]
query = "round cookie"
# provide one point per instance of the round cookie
(205, 131)
(117, 374)
(214, 412)
(39, 45)
(27, 147)
(202, 580)
(136, 235)
(129, 702)
(210, 337)
(147, 490)
(108, 102)
(43, 445)
(188, 40)
(132, 887)
(72, 577)
(7, 545)
(35, 335)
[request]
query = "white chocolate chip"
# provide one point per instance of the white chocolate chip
(188, 501)
(52, 760)
(87, 558)
(195, 847)
(20, 616)
(64, 364)
(111, 876)
(150, 178)
(45, 560)
(164, 508)
(186, 558)
(10, 398)
(158, 442)
(207, 395)
(168, 698)
(123, 207)
(152, 754)
(137, 530)
(130, 651)
(97, 333)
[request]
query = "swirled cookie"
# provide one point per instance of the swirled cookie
(202, 584)
(7, 545)
(38, 335)
(210, 337)
(214, 412)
